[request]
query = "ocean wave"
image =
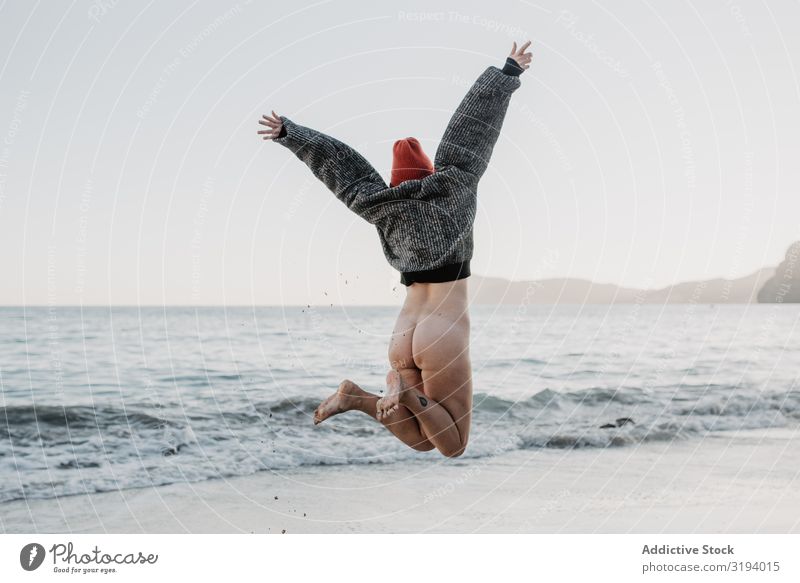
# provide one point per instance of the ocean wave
(78, 417)
(108, 448)
(721, 401)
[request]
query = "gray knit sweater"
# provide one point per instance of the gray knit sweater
(425, 226)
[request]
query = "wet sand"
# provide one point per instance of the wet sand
(728, 483)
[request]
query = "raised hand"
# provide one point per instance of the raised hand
(522, 58)
(274, 123)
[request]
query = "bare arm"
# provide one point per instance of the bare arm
(475, 126)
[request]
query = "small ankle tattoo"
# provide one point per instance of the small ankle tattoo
(423, 401)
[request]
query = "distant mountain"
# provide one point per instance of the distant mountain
(784, 286)
(493, 290)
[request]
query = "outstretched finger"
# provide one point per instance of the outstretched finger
(514, 48)
(525, 46)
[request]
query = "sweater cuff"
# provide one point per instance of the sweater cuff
(287, 125)
(494, 79)
(512, 67)
(294, 136)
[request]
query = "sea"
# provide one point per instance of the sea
(98, 399)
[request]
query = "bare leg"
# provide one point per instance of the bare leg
(435, 421)
(351, 397)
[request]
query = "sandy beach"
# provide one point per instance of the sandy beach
(733, 482)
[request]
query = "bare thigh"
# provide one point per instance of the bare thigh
(441, 353)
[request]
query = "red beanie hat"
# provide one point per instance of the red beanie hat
(410, 162)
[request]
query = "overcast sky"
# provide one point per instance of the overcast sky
(650, 143)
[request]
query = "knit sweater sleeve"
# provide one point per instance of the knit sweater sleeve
(475, 126)
(343, 170)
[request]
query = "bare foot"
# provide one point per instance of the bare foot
(344, 399)
(390, 402)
